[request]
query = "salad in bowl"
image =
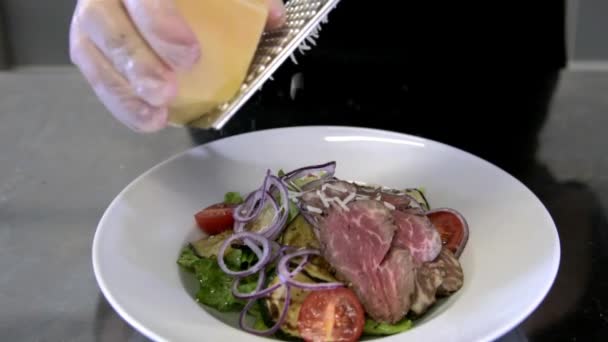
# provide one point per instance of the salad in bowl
(309, 256)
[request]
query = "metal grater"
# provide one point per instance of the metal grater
(302, 25)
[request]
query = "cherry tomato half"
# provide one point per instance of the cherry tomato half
(331, 315)
(451, 228)
(215, 219)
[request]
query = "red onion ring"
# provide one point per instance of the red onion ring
(414, 204)
(315, 184)
(250, 207)
(258, 293)
(300, 267)
(276, 209)
(276, 250)
(465, 227)
(329, 168)
(286, 248)
(421, 194)
(263, 257)
(283, 315)
(275, 228)
(253, 204)
(255, 293)
(287, 278)
(258, 252)
(272, 329)
(239, 226)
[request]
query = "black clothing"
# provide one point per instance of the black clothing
(476, 75)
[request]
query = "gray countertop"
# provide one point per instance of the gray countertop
(63, 159)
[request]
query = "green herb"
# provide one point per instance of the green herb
(260, 325)
(238, 259)
(256, 310)
(281, 173)
(293, 211)
(187, 259)
(215, 285)
(376, 328)
(248, 284)
(233, 198)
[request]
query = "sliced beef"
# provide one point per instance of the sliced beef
(417, 234)
(451, 270)
(358, 243)
(363, 233)
(427, 282)
(316, 202)
(395, 281)
(397, 198)
(368, 190)
(324, 196)
(441, 277)
(383, 246)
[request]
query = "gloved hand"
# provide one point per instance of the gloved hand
(129, 52)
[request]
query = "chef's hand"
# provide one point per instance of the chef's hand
(129, 52)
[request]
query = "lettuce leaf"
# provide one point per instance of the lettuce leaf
(377, 328)
(293, 212)
(238, 259)
(188, 258)
(233, 198)
(216, 286)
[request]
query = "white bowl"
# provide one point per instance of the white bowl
(510, 262)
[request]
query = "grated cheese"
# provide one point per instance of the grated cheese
(323, 198)
(389, 205)
(340, 203)
(295, 186)
(311, 39)
(314, 209)
(350, 197)
(333, 187)
(294, 194)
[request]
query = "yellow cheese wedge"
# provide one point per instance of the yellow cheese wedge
(229, 32)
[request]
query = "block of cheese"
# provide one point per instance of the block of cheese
(229, 32)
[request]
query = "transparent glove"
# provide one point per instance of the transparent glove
(129, 52)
